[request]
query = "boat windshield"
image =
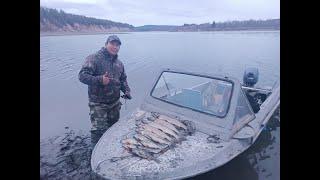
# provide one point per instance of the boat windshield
(203, 94)
(243, 110)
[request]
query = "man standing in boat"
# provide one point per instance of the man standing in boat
(105, 76)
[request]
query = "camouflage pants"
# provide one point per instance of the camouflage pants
(102, 117)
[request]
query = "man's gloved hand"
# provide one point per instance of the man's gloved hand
(126, 96)
(105, 79)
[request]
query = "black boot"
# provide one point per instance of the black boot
(95, 136)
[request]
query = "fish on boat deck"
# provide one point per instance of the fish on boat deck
(164, 129)
(173, 121)
(167, 124)
(153, 136)
(130, 141)
(157, 131)
(144, 144)
(152, 151)
(144, 154)
(140, 114)
(147, 142)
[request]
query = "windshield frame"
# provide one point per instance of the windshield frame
(193, 74)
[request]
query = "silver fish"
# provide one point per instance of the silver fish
(146, 142)
(143, 154)
(173, 121)
(139, 148)
(146, 120)
(130, 141)
(151, 119)
(132, 146)
(157, 131)
(139, 114)
(150, 150)
(164, 129)
(154, 137)
(167, 124)
(129, 146)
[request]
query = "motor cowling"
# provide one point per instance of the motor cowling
(250, 77)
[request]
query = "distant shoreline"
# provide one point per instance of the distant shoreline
(43, 34)
(77, 33)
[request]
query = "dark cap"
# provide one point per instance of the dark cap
(113, 38)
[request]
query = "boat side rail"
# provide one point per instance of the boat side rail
(256, 89)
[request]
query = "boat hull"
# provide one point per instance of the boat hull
(195, 155)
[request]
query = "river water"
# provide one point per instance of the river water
(64, 112)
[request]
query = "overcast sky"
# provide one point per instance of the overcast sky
(169, 12)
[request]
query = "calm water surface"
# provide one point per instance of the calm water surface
(64, 101)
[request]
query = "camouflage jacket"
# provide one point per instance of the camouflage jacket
(92, 71)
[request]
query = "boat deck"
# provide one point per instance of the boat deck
(175, 162)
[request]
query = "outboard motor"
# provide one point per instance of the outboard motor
(250, 77)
